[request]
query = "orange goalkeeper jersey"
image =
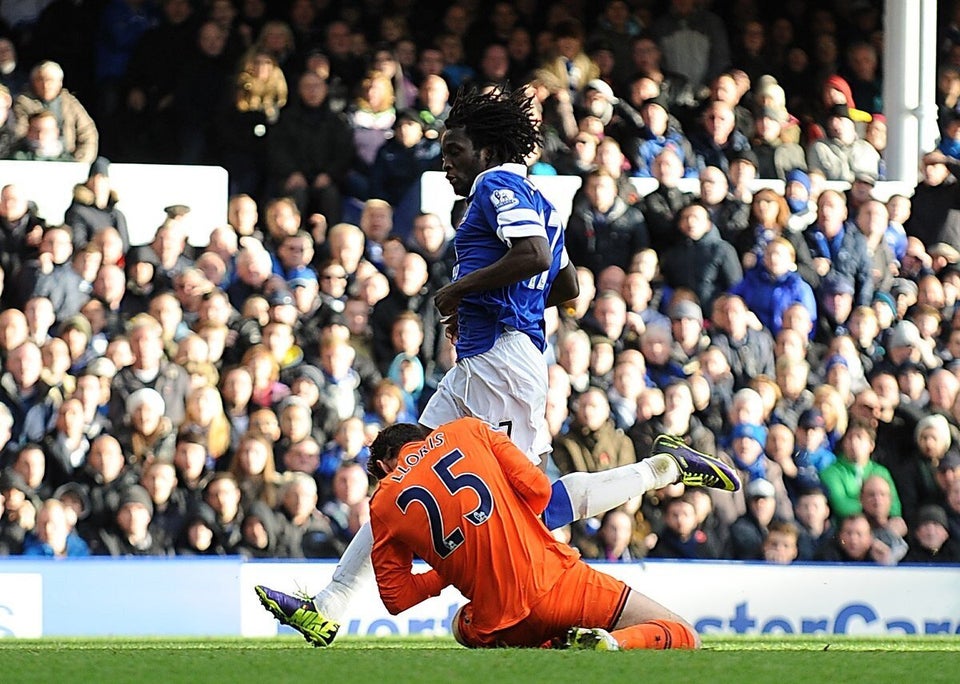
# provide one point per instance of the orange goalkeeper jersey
(466, 501)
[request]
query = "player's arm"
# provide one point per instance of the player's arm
(565, 287)
(527, 257)
(525, 479)
(393, 564)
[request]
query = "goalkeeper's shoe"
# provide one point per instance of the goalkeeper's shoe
(696, 468)
(300, 613)
(595, 639)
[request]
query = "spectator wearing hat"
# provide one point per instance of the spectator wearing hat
(46, 92)
(773, 285)
(197, 535)
(749, 530)
(77, 332)
(776, 157)
(657, 133)
(261, 532)
(94, 207)
(689, 337)
(745, 447)
(130, 533)
(603, 230)
(931, 541)
(399, 164)
(904, 293)
(93, 390)
(854, 464)
(841, 155)
(860, 192)
(917, 471)
(18, 511)
(150, 435)
(797, 192)
(904, 344)
(838, 247)
(597, 100)
(812, 454)
(742, 174)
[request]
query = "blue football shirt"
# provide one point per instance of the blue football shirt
(504, 205)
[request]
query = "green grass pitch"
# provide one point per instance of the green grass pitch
(782, 660)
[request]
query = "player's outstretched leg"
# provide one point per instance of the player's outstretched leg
(577, 496)
(300, 613)
(697, 469)
(591, 639)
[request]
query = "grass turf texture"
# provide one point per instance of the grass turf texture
(783, 660)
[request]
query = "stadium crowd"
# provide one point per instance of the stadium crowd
(162, 399)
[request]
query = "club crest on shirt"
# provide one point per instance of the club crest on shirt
(503, 199)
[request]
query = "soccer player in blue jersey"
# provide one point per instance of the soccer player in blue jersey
(511, 265)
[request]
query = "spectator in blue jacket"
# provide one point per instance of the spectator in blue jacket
(771, 286)
(657, 134)
(52, 536)
(838, 247)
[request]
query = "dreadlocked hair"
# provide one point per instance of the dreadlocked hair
(499, 120)
(390, 440)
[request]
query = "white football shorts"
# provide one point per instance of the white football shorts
(505, 387)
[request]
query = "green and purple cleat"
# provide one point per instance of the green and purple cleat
(300, 613)
(696, 468)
